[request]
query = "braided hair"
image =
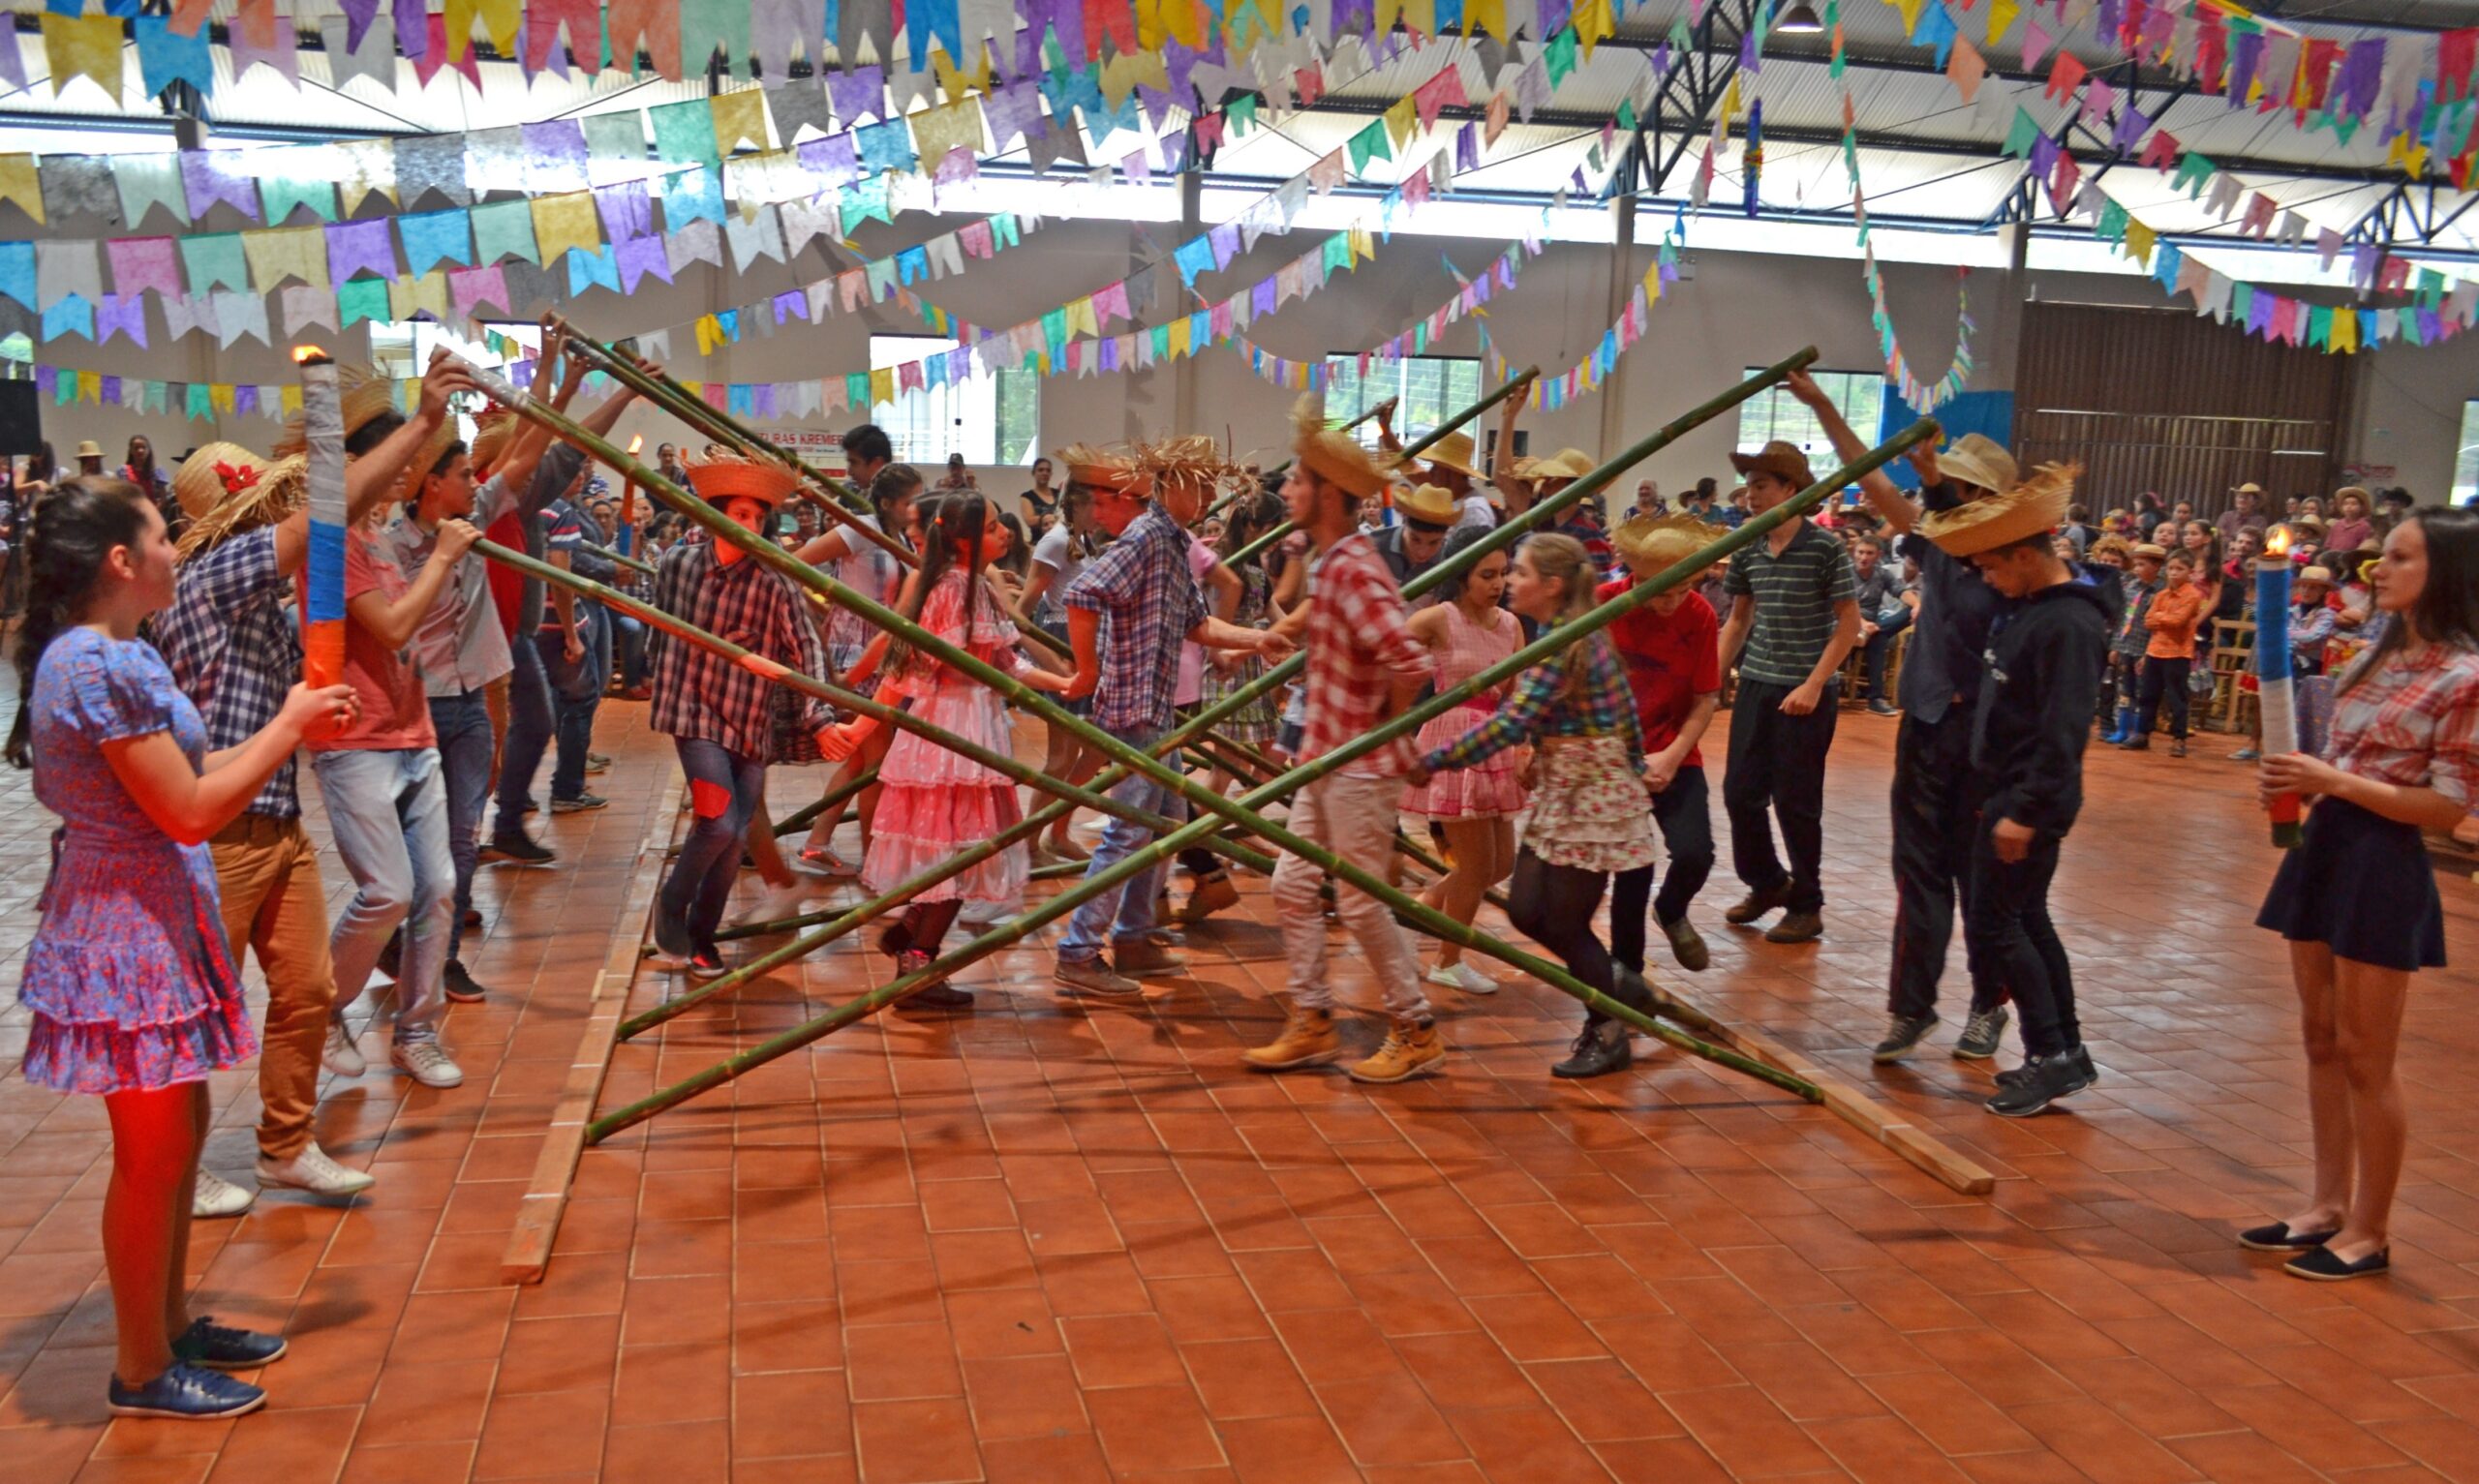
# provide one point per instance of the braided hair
(73, 531)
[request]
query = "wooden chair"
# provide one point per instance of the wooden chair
(2233, 648)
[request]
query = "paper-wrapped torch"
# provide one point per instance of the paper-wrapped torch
(322, 582)
(626, 537)
(2277, 696)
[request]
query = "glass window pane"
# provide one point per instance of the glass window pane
(2465, 463)
(1430, 389)
(981, 418)
(1775, 414)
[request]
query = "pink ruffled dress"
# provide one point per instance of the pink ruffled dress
(934, 802)
(1486, 790)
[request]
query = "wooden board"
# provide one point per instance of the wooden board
(546, 1197)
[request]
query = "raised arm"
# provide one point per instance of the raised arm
(1900, 510)
(373, 476)
(392, 622)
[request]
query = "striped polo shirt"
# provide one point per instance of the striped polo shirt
(1796, 591)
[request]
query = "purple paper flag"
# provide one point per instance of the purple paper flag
(121, 315)
(640, 256)
(245, 400)
(861, 91)
(836, 160)
(626, 210)
(554, 157)
(2132, 126)
(413, 28)
(353, 245)
(206, 177)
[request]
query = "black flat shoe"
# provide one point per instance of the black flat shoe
(2322, 1266)
(2277, 1237)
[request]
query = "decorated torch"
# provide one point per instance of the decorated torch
(626, 537)
(2277, 697)
(323, 587)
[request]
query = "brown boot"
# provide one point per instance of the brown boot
(1410, 1048)
(1307, 1039)
(1212, 893)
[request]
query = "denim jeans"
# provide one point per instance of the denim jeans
(577, 691)
(1128, 912)
(463, 723)
(528, 734)
(629, 644)
(722, 794)
(389, 813)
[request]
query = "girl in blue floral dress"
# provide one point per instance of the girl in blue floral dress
(132, 990)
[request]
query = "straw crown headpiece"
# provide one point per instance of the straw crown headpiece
(1662, 541)
(1191, 459)
(1337, 458)
(2031, 508)
(1105, 468)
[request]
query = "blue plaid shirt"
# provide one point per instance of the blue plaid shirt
(1602, 705)
(230, 641)
(1149, 600)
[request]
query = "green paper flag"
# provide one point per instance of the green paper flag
(196, 403)
(504, 230)
(1369, 144)
(685, 132)
(362, 298)
(2019, 138)
(1627, 114)
(281, 196)
(856, 389)
(215, 261)
(1561, 57)
(1240, 114)
(1055, 330)
(1339, 252)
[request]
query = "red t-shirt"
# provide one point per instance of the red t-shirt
(395, 713)
(1671, 658)
(508, 584)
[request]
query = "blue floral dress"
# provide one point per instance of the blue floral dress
(129, 979)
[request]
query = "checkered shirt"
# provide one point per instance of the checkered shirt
(1148, 597)
(700, 694)
(1357, 648)
(2413, 721)
(235, 652)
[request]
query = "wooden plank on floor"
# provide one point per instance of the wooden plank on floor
(546, 1197)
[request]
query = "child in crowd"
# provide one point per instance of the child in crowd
(2133, 635)
(2169, 652)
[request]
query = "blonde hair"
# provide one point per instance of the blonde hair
(1563, 560)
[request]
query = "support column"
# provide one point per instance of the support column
(1614, 391)
(1183, 386)
(2002, 371)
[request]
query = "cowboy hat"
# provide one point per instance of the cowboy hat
(2250, 487)
(1663, 541)
(1429, 504)
(1783, 461)
(2030, 508)
(1453, 451)
(89, 449)
(207, 475)
(1336, 458)
(1980, 460)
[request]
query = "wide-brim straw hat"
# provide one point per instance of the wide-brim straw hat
(210, 473)
(282, 486)
(409, 484)
(2031, 508)
(364, 396)
(1337, 458)
(1663, 541)
(1112, 468)
(1785, 461)
(2149, 549)
(720, 479)
(1454, 451)
(492, 432)
(1191, 461)
(1428, 503)
(2250, 487)
(1979, 460)
(2318, 574)
(89, 449)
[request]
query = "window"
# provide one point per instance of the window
(1431, 389)
(991, 418)
(2466, 457)
(1773, 414)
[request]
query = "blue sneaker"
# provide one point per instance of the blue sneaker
(184, 1393)
(222, 1347)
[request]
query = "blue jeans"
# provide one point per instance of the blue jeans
(389, 813)
(722, 794)
(577, 690)
(1128, 911)
(628, 642)
(463, 727)
(529, 733)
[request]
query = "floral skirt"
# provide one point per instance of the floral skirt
(1590, 810)
(1486, 790)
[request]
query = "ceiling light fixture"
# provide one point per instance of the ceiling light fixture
(1800, 21)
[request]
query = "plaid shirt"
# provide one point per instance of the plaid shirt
(1357, 648)
(2413, 721)
(235, 652)
(1602, 706)
(700, 694)
(1147, 597)
(1581, 525)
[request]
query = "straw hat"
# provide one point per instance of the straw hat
(2144, 549)
(2031, 508)
(1783, 461)
(1977, 459)
(1191, 459)
(2322, 575)
(1111, 469)
(1428, 503)
(720, 479)
(1454, 451)
(1663, 541)
(210, 473)
(492, 432)
(365, 397)
(2250, 487)
(1333, 456)
(2359, 490)
(89, 449)
(281, 488)
(409, 484)
(1567, 464)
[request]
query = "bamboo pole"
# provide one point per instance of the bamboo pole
(1431, 920)
(854, 700)
(839, 500)
(617, 560)
(841, 794)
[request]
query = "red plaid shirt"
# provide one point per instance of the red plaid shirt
(1358, 648)
(2414, 723)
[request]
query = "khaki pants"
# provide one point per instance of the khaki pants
(267, 872)
(1355, 818)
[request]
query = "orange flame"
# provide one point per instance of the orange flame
(305, 354)
(635, 443)
(2277, 542)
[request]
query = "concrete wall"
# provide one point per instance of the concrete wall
(1739, 310)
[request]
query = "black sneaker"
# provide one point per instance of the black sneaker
(579, 804)
(1981, 1033)
(461, 986)
(223, 1348)
(1903, 1037)
(1601, 1049)
(708, 963)
(2043, 1080)
(2013, 1074)
(514, 848)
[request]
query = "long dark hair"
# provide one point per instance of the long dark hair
(75, 528)
(895, 482)
(2447, 610)
(1459, 541)
(954, 517)
(1250, 516)
(141, 474)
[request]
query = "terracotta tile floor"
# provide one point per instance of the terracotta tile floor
(1050, 1244)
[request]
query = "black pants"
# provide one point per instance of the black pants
(1553, 905)
(1685, 814)
(2165, 680)
(1932, 855)
(1777, 771)
(1881, 648)
(2013, 944)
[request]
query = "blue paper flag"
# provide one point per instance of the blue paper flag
(429, 237)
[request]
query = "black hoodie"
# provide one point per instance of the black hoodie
(2035, 707)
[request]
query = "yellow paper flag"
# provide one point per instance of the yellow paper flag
(288, 398)
(563, 222)
(953, 79)
(1593, 25)
(408, 297)
(500, 21)
(1081, 318)
(82, 45)
(882, 387)
(2345, 329)
(1402, 120)
(289, 252)
(740, 117)
(2001, 16)
(1420, 16)
(218, 395)
(18, 183)
(456, 18)
(2139, 241)
(1386, 11)
(1178, 337)
(1485, 15)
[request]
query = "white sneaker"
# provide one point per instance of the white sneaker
(314, 1171)
(342, 1057)
(218, 1196)
(778, 902)
(1462, 976)
(426, 1063)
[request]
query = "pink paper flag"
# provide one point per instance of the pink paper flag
(143, 262)
(468, 289)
